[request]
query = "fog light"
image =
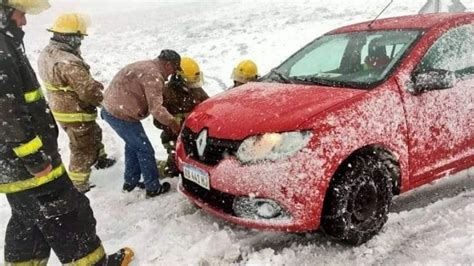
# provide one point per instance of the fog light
(268, 210)
(253, 208)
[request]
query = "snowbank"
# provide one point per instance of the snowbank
(433, 225)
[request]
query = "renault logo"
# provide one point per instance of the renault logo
(201, 142)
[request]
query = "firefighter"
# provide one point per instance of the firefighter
(244, 72)
(47, 211)
(74, 95)
(181, 94)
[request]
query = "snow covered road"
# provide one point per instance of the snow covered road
(433, 225)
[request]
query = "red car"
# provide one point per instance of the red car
(326, 139)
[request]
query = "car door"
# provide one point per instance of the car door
(440, 121)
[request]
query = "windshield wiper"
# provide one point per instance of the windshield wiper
(282, 76)
(316, 80)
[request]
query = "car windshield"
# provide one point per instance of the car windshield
(358, 59)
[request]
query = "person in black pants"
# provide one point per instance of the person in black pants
(47, 211)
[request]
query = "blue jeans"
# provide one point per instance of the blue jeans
(139, 154)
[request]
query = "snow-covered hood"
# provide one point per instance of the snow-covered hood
(257, 108)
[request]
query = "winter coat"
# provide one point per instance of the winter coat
(72, 92)
(180, 101)
(136, 91)
(28, 132)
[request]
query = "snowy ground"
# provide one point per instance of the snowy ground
(433, 225)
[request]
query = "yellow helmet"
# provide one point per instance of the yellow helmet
(71, 23)
(32, 7)
(191, 73)
(245, 71)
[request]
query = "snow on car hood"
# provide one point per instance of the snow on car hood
(257, 108)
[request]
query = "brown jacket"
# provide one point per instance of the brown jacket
(69, 84)
(136, 91)
(180, 101)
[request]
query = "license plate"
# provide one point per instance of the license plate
(196, 175)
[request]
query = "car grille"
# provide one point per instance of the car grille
(214, 198)
(215, 151)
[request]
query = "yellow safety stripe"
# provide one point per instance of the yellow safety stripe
(51, 87)
(37, 262)
(33, 96)
(28, 148)
(32, 182)
(90, 259)
(74, 117)
(102, 152)
(79, 177)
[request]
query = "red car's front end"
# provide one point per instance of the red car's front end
(252, 195)
(282, 191)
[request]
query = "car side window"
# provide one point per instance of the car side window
(453, 51)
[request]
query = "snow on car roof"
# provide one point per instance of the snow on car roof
(424, 21)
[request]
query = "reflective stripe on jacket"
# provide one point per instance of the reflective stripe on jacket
(50, 87)
(32, 182)
(74, 117)
(33, 96)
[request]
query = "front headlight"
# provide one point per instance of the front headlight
(272, 146)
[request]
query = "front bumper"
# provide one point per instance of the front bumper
(290, 183)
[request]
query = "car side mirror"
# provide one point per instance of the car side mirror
(433, 79)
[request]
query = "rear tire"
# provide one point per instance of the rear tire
(358, 200)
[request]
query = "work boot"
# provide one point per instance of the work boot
(128, 188)
(123, 257)
(83, 187)
(165, 187)
(104, 162)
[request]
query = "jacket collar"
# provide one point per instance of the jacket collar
(14, 32)
(65, 47)
(160, 70)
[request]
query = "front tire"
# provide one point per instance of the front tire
(358, 200)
